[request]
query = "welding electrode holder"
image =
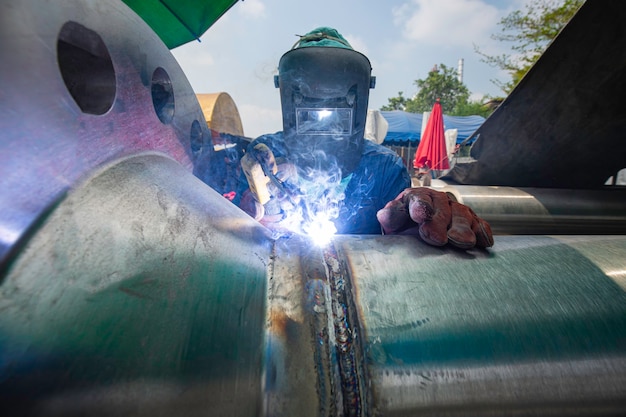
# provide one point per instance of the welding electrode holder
(257, 163)
(261, 169)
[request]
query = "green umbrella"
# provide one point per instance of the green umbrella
(180, 21)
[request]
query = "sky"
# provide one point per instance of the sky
(403, 39)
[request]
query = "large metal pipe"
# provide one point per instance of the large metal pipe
(512, 210)
(143, 293)
(147, 292)
(533, 327)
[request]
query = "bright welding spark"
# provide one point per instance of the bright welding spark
(320, 230)
(322, 114)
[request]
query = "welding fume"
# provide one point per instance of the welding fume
(320, 176)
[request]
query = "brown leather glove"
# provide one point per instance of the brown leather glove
(435, 218)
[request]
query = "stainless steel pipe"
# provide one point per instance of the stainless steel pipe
(529, 211)
(144, 292)
(147, 292)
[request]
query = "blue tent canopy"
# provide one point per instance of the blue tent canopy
(405, 128)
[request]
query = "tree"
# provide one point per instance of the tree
(441, 83)
(473, 108)
(530, 31)
(395, 103)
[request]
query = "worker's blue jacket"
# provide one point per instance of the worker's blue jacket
(378, 179)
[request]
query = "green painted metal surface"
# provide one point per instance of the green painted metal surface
(535, 322)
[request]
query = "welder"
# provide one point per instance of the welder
(321, 163)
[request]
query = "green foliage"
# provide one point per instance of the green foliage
(472, 108)
(441, 83)
(395, 103)
(529, 31)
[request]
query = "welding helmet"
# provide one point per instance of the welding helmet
(324, 88)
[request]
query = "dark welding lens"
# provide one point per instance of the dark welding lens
(325, 121)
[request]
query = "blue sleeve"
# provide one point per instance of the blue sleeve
(380, 177)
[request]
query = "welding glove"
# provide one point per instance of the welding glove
(268, 177)
(435, 218)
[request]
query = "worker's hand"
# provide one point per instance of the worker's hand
(435, 218)
(267, 200)
(276, 215)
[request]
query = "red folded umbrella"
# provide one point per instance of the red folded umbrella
(432, 151)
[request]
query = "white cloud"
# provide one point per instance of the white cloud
(450, 22)
(253, 9)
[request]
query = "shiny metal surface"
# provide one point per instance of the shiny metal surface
(511, 210)
(533, 327)
(129, 287)
(78, 82)
(128, 301)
